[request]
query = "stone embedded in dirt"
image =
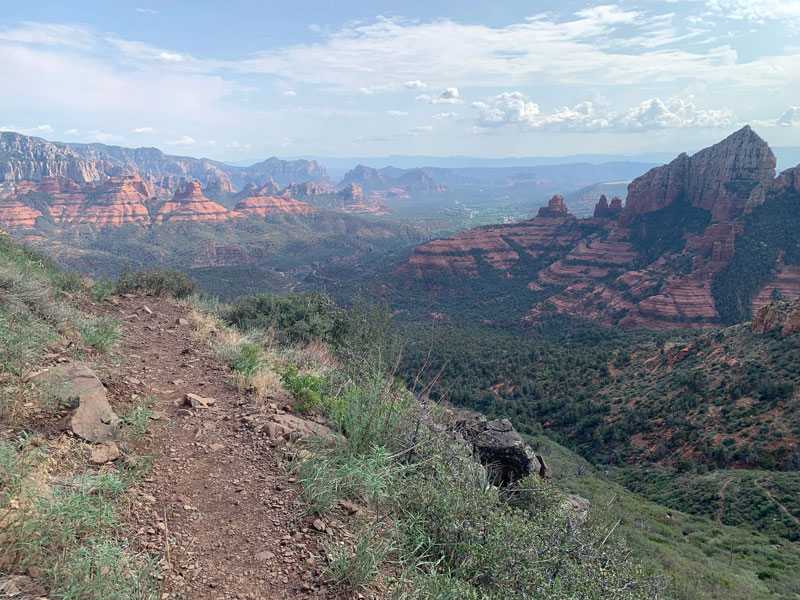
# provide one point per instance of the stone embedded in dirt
(20, 586)
(104, 453)
(92, 419)
(265, 555)
(216, 447)
(319, 525)
(181, 321)
(292, 428)
(349, 507)
(146, 309)
(195, 401)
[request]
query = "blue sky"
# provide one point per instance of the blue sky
(245, 79)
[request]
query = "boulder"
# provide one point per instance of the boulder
(92, 419)
(104, 453)
(500, 448)
(292, 428)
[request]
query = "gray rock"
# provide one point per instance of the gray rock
(92, 419)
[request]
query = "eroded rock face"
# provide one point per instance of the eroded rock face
(778, 316)
(555, 208)
(603, 210)
(271, 206)
(92, 419)
(189, 204)
(719, 179)
(305, 190)
(16, 215)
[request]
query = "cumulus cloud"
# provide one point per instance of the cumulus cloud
(445, 115)
(182, 141)
(790, 118)
(414, 84)
(397, 113)
(143, 130)
(289, 93)
(514, 108)
(448, 96)
(49, 34)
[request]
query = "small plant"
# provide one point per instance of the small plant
(102, 290)
(357, 567)
(246, 359)
(306, 389)
(101, 333)
(161, 282)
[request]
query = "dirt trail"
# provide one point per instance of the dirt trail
(757, 483)
(721, 509)
(216, 487)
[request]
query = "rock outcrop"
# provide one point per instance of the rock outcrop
(189, 204)
(778, 316)
(306, 191)
(603, 210)
(261, 203)
(412, 181)
(116, 202)
(16, 215)
(500, 448)
(555, 208)
(720, 179)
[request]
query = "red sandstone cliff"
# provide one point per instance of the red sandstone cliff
(189, 204)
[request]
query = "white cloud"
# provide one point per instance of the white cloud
(414, 84)
(103, 137)
(397, 113)
(377, 89)
(759, 11)
(147, 11)
(49, 34)
(143, 130)
(183, 141)
(448, 96)
(289, 93)
(790, 118)
(38, 130)
(71, 132)
(238, 146)
(445, 115)
(514, 108)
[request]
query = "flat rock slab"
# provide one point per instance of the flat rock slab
(290, 427)
(93, 419)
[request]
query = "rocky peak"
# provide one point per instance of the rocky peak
(189, 204)
(219, 186)
(555, 208)
(353, 191)
(304, 190)
(603, 210)
(719, 179)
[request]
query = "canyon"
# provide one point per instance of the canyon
(651, 264)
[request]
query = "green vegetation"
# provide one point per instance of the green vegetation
(62, 522)
(161, 282)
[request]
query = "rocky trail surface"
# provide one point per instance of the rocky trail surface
(217, 503)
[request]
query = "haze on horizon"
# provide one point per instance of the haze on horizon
(458, 78)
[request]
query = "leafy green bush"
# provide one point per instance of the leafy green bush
(306, 389)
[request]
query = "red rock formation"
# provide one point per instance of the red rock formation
(555, 208)
(189, 204)
(305, 190)
(353, 191)
(270, 206)
(16, 215)
(785, 284)
(781, 316)
(719, 179)
(218, 187)
(218, 255)
(602, 210)
(116, 202)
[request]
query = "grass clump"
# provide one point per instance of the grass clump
(100, 333)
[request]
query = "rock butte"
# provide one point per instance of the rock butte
(592, 267)
(189, 204)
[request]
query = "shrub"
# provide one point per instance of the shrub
(161, 282)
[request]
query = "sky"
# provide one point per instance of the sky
(256, 78)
